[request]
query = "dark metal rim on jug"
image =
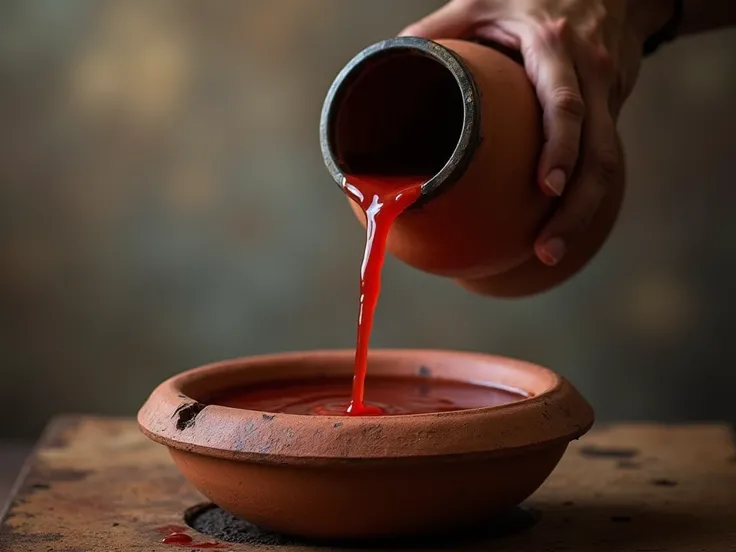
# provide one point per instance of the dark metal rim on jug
(469, 137)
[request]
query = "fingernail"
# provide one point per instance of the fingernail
(551, 251)
(555, 181)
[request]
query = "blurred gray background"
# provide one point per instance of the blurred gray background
(163, 204)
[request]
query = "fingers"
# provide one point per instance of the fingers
(580, 157)
(492, 32)
(579, 206)
(552, 70)
(599, 165)
(453, 20)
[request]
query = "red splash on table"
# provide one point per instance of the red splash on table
(177, 538)
(175, 535)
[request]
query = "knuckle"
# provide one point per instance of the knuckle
(568, 102)
(603, 60)
(594, 28)
(565, 152)
(576, 220)
(599, 20)
(607, 163)
(599, 61)
(554, 30)
(472, 7)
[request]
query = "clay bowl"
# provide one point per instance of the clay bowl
(340, 477)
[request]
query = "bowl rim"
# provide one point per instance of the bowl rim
(554, 416)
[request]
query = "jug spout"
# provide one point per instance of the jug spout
(402, 106)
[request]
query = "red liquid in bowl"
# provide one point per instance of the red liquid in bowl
(384, 395)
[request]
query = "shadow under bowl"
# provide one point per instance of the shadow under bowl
(345, 477)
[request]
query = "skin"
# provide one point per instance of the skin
(583, 57)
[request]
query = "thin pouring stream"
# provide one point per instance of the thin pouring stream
(382, 199)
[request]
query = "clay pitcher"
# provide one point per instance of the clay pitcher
(466, 116)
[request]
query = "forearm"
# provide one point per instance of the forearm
(706, 15)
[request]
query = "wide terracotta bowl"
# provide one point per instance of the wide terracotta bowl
(337, 477)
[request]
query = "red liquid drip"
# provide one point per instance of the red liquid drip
(177, 538)
(382, 199)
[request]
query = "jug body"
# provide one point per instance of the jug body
(466, 116)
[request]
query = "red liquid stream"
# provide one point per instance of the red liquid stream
(382, 199)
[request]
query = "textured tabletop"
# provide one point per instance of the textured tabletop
(98, 484)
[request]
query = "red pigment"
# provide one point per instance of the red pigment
(176, 536)
(382, 199)
(388, 395)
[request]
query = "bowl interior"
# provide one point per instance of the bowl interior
(524, 380)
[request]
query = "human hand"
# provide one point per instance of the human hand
(583, 58)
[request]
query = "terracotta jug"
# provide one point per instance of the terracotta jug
(467, 114)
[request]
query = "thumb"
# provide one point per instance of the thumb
(453, 20)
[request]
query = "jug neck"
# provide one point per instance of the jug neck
(404, 105)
